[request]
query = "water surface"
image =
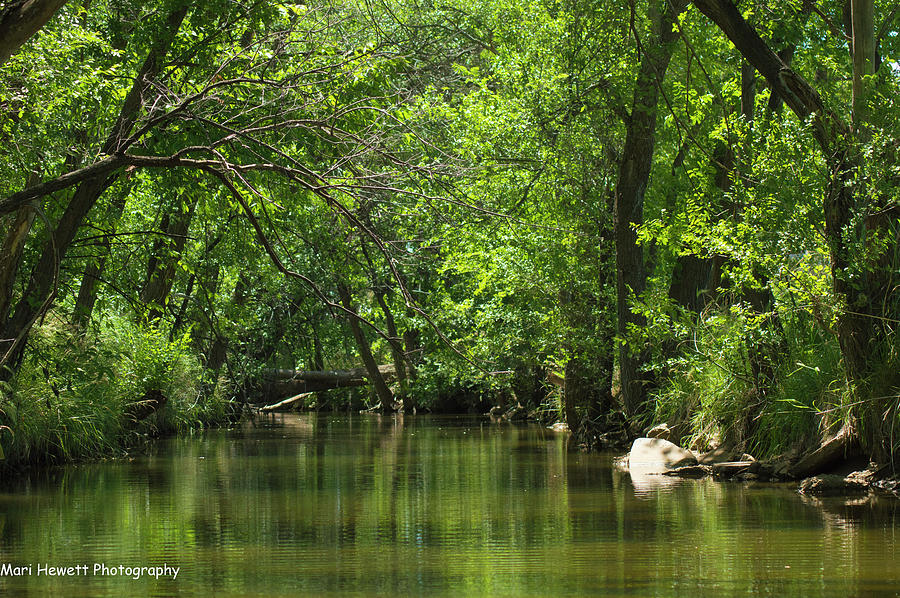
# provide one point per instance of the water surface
(326, 505)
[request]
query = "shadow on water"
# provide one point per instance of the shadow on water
(427, 505)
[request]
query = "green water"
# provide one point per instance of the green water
(332, 506)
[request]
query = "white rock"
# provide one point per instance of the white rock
(658, 455)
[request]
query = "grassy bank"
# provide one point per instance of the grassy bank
(713, 394)
(95, 394)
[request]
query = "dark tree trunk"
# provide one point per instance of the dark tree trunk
(413, 347)
(164, 258)
(863, 26)
(87, 292)
(694, 281)
(579, 394)
(178, 322)
(365, 352)
(396, 342)
(634, 176)
(318, 359)
(20, 19)
(18, 225)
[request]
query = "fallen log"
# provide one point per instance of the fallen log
(288, 402)
(336, 377)
(289, 383)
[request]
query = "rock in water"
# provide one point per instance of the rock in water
(832, 485)
(660, 431)
(658, 455)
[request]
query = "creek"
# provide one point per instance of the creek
(337, 505)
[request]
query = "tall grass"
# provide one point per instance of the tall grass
(71, 397)
(876, 404)
(810, 392)
(711, 398)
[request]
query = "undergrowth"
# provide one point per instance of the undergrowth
(711, 396)
(88, 394)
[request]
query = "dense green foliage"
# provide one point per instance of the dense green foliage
(194, 194)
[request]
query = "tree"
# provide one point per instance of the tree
(634, 174)
(253, 111)
(40, 289)
(860, 225)
(20, 19)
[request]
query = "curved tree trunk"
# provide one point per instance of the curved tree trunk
(164, 258)
(18, 225)
(40, 290)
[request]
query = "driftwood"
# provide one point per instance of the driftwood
(285, 404)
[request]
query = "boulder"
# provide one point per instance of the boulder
(656, 455)
(832, 485)
(830, 454)
(660, 431)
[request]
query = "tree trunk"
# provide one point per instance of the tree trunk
(696, 280)
(578, 395)
(634, 176)
(863, 25)
(41, 287)
(21, 19)
(164, 258)
(18, 225)
(365, 353)
(396, 345)
(178, 322)
(87, 292)
(318, 359)
(413, 351)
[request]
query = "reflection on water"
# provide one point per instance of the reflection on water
(335, 505)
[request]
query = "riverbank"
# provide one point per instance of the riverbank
(87, 395)
(836, 468)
